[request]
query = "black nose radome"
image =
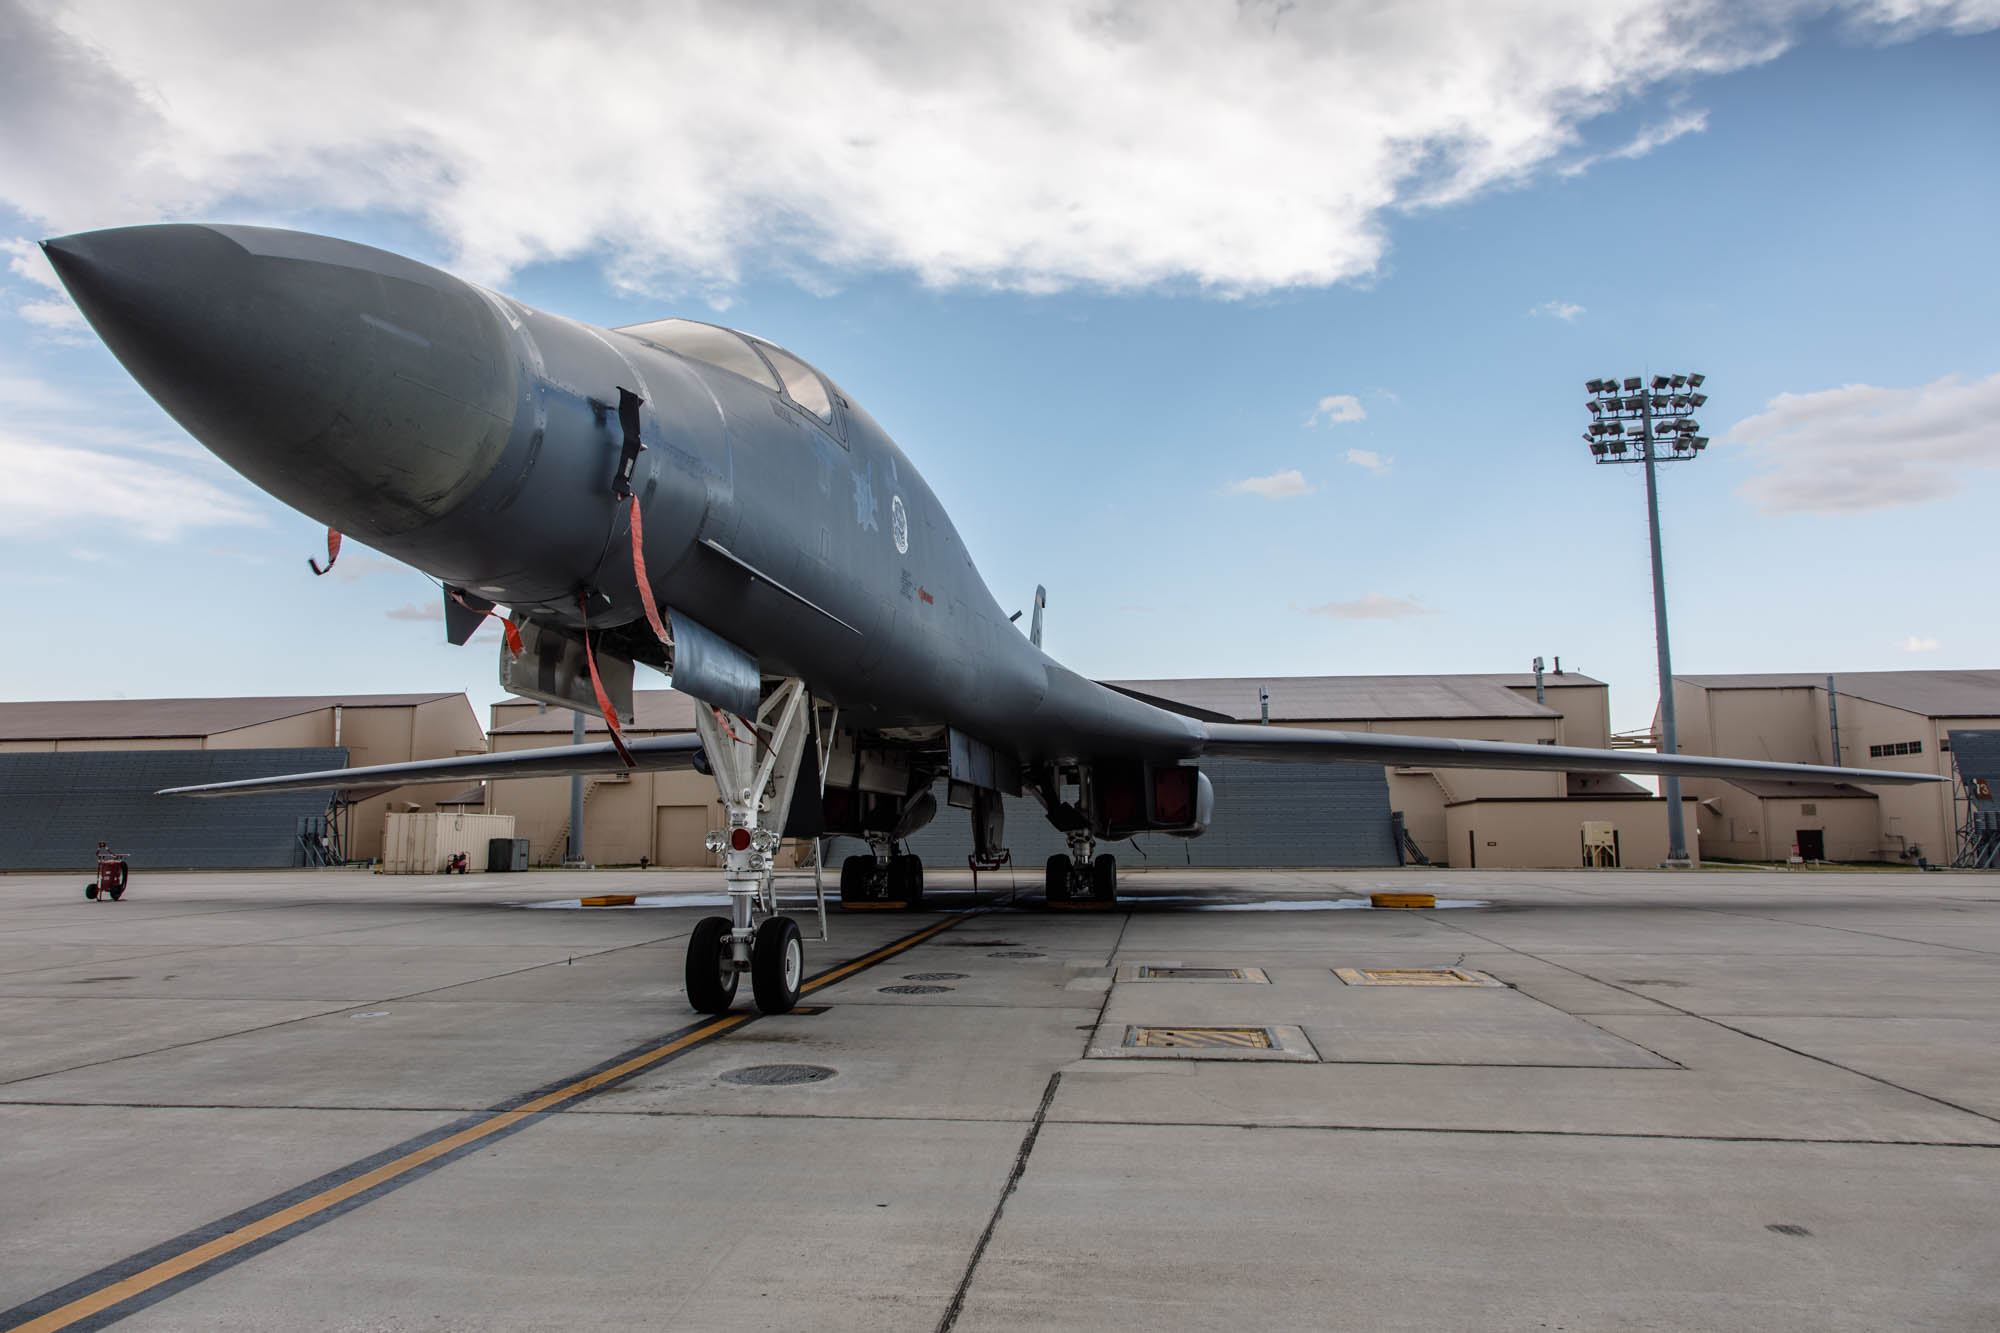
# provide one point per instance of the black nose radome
(367, 390)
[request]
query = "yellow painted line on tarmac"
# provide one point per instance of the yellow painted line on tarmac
(169, 1269)
(846, 970)
(187, 1261)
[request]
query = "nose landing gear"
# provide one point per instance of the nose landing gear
(755, 763)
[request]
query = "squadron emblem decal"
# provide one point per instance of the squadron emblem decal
(899, 525)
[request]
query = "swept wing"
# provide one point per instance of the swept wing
(1303, 745)
(649, 754)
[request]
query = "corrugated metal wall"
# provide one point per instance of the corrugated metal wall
(1265, 815)
(55, 807)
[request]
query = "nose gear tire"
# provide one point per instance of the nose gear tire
(711, 974)
(777, 965)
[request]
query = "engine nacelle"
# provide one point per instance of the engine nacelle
(1204, 809)
(1151, 798)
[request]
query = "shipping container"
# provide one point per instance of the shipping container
(423, 843)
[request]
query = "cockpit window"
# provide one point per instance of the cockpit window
(706, 342)
(800, 383)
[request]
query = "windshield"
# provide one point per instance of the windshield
(706, 342)
(800, 382)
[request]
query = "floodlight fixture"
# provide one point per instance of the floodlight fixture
(1663, 430)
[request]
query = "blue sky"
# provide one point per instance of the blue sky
(1098, 279)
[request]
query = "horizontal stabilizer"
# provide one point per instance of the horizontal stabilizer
(649, 754)
(1301, 745)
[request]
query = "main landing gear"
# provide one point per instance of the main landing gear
(882, 876)
(1080, 877)
(755, 763)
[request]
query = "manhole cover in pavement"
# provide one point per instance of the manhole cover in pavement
(771, 1076)
(935, 976)
(1016, 953)
(915, 990)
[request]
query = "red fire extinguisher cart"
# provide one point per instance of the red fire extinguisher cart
(112, 873)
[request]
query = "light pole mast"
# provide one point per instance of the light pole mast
(1662, 413)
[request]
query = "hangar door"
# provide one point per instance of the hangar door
(54, 807)
(1265, 815)
(680, 835)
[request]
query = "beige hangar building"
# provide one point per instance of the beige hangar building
(663, 817)
(1478, 817)
(372, 728)
(1461, 817)
(1887, 719)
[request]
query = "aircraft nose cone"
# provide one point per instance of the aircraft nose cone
(367, 390)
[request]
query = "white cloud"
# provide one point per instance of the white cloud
(1920, 644)
(66, 461)
(1562, 310)
(1860, 447)
(411, 611)
(1374, 606)
(1033, 144)
(1645, 141)
(1278, 486)
(58, 315)
(1337, 408)
(55, 313)
(1900, 20)
(26, 260)
(1369, 459)
(53, 488)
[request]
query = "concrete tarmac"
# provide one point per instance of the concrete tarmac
(329, 1100)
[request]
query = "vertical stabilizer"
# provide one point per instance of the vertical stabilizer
(1035, 625)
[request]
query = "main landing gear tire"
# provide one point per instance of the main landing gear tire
(1104, 878)
(1056, 882)
(854, 873)
(711, 972)
(777, 965)
(906, 880)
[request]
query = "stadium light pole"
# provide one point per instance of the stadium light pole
(1662, 412)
